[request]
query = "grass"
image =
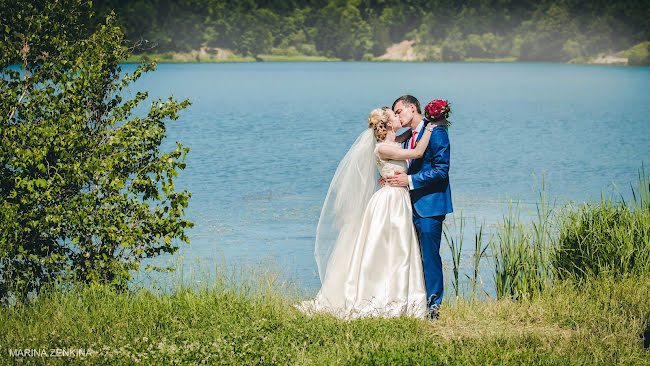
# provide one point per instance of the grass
(609, 236)
(521, 267)
(480, 250)
(580, 317)
(254, 322)
(456, 249)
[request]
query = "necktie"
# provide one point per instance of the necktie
(415, 134)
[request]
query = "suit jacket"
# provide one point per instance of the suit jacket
(431, 193)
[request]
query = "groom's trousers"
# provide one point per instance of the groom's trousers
(429, 231)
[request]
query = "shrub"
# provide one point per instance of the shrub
(84, 189)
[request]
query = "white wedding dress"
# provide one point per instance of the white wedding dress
(378, 271)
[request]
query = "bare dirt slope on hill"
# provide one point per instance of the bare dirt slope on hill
(402, 51)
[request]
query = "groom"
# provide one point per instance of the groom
(428, 182)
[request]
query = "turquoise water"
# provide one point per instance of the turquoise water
(265, 140)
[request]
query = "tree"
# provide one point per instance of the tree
(545, 35)
(342, 31)
(453, 48)
(85, 192)
(256, 33)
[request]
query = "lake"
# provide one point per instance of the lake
(265, 139)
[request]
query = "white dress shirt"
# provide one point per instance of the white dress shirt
(408, 144)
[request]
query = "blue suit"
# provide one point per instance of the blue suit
(431, 200)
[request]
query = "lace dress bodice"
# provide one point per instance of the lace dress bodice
(388, 167)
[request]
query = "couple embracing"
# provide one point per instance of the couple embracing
(378, 251)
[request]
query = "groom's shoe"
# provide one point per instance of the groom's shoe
(434, 313)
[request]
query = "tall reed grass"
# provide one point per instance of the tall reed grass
(480, 249)
(521, 267)
(455, 245)
(606, 237)
(610, 237)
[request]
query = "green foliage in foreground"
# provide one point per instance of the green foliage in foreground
(85, 191)
(597, 323)
(610, 237)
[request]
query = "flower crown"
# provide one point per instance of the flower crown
(436, 109)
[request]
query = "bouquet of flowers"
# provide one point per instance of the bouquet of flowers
(437, 109)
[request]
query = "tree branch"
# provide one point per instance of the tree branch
(23, 53)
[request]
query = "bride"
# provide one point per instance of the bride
(367, 249)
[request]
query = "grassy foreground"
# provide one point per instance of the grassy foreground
(581, 280)
(600, 322)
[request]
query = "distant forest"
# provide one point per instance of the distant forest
(443, 30)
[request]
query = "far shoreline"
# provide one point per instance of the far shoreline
(133, 60)
(400, 52)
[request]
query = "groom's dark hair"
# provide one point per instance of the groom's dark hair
(408, 99)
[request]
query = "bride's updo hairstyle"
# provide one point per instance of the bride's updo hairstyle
(377, 121)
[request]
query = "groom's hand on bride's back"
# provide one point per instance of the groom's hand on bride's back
(381, 181)
(400, 179)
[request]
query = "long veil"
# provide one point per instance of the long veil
(353, 184)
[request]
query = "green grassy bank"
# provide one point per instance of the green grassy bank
(599, 322)
(573, 288)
